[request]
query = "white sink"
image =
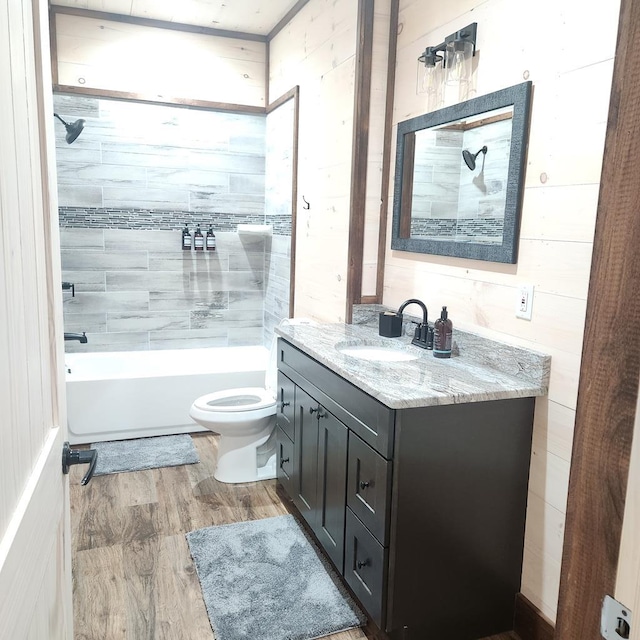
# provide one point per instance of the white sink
(378, 353)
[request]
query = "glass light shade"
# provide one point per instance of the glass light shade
(458, 61)
(429, 84)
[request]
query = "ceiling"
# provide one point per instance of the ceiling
(248, 16)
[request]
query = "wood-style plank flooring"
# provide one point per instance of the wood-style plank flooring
(133, 576)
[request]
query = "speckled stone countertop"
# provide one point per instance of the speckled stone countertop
(478, 370)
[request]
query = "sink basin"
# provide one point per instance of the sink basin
(378, 353)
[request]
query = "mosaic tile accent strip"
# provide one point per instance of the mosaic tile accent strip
(110, 218)
(462, 228)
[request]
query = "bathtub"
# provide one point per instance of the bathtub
(120, 395)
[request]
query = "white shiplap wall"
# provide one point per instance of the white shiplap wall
(316, 51)
(518, 41)
(159, 63)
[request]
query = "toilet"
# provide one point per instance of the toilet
(245, 418)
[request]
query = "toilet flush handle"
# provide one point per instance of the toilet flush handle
(79, 456)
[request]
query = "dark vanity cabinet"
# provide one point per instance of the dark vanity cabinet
(420, 510)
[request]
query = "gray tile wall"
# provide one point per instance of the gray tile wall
(137, 290)
(127, 186)
(154, 157)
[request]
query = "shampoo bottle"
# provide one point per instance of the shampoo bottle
(442, 335)
(198, 240)
(186, 239)
(211, 240)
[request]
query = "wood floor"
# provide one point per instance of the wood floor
(133, 577)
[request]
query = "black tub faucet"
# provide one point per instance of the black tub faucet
(423, 337)
(80, 337)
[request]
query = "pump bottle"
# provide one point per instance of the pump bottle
(198, 240)
(186, 239)
(442, 335)
(211, 240)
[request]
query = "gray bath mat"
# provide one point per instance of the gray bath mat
(262, 579)
(144, 453)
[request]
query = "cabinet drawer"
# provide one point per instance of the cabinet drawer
(284, 461)
(369, 487)
(285, 411)
(369, 418)
(365, 568)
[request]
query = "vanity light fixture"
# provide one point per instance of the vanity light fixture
(454, 54)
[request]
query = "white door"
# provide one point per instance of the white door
(628, 575)
(35, 566)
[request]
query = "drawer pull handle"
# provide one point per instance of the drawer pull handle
(283, 462)
(362, 563)
(364, 484)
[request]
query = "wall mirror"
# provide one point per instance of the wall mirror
(460, 177)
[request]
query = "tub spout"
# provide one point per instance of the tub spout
(80, 337)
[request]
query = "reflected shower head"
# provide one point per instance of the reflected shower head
(73, 130)
(470, 159)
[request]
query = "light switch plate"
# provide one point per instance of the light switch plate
(524, 301)
(615, 621)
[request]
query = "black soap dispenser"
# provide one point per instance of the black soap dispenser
(186, 239)
(211, 240)
(442, 335)
(198, 240)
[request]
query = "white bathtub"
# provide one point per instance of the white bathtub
(120, 395)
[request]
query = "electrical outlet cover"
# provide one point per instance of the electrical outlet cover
(524, 301)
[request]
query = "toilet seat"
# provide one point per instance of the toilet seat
(242, 399)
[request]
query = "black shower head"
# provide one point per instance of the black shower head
(470, 159)
(73, 130)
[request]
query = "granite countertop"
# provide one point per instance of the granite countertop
(479, 369)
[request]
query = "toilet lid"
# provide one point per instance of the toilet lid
(233, 400)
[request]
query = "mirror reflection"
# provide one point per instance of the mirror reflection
(459, 178)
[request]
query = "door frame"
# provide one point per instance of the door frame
(610, 368)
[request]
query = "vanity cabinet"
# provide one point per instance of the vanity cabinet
(421, 510)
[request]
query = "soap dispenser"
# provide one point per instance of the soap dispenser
(211, 240)
(442, 335)
(186, 239)
(198, 240)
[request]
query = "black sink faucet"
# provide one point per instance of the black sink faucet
(422, 337)
(80, 337)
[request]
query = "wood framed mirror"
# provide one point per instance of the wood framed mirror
(459, 178)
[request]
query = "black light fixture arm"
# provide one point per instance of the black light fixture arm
(431, 55)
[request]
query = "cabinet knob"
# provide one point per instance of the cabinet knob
(283, 462)
(312, 410)
(364, 484)
(362, 563)
(284, 404)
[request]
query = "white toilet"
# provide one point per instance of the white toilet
(245, 418)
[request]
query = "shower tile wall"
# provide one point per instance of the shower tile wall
(134, 290)
(278, 207)
(127, 186)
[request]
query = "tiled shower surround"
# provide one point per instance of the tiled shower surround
(136, 175)
(137, 290)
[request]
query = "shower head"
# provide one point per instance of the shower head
(73, 130)
(470, 159)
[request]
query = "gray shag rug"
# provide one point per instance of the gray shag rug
(264, 580)
(144, 453)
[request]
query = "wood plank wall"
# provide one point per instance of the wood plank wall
(324, 69)
(159, 63)
(569, 115)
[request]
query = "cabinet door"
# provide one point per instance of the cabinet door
(285, 410)
(332, 485)
(305, 470)
(284, 470)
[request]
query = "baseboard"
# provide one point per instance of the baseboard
(530, 623)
